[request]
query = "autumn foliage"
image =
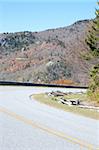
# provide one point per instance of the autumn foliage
(63, 82)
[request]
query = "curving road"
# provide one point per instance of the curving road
(28, 125)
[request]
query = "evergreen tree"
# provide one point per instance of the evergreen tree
(93, 43)
(94, 74)
(93, 36)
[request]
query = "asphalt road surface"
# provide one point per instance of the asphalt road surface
(29, 125)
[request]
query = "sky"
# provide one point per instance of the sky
(39, 15)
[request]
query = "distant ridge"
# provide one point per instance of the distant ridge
(47, 57)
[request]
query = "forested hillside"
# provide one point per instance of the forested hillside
(59, 56)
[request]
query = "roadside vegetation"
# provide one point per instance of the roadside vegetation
(52, 101)
(92, 41)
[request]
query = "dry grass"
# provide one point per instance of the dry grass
(43, 98)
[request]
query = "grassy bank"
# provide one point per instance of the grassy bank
(52, 101)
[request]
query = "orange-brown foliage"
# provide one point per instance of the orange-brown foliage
(63, 81)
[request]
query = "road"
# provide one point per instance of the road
(26, 124)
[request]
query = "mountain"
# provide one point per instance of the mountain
(56, 56)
